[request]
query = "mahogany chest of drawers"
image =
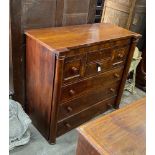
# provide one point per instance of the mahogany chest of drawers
(74, 73)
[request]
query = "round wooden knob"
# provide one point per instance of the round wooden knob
(71, 92)
(120, 55)
(112, 90)
(68, 125)
(116, 75)
(69, 109)
(74, 70)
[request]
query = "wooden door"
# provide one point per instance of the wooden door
(118, 12)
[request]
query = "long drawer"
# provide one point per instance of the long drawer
(76, 89)
(76, 120)
(80, 103)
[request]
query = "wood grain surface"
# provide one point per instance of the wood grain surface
(58, 39)
(122, 132)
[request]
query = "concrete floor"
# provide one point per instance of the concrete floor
(66, 144)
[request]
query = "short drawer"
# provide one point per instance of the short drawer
(76, 120)
(105, 50)
(73, 68)
(120, 54)
(99, 67)
(71, 91)
(76, 105)
(101, 54)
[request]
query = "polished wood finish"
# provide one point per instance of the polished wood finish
(58, 39)
(40, 65)
(78, 88)
(122, 132)
(85, 68)
(17, 54)
(66, 125)
(88, 99)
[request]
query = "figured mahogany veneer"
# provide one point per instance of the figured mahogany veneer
(75, 73)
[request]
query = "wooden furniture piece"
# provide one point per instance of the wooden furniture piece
(75, 73)
(28, 14)
(123, 132)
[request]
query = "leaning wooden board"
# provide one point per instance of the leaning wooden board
(75, 73)
(122, 132)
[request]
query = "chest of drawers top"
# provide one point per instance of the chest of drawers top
(61, 40)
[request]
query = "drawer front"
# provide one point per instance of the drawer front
(74, 68)
(76, 120)
(76, 105)
(99, 55)
(73, 90)
(120, 54)
(105, 50)
(99, 66)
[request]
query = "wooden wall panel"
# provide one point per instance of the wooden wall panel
(26, 14)
(11, 89)
(38, 13)
(92, 11)
(17, 54)
(130, 14)
(118, 12)
(75, 12)
(116, 16)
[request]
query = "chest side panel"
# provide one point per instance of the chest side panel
(40, 65)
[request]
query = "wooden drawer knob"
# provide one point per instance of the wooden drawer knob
(120, 55)
(69, 109)
(116, 75)
(71, 92)
(68, 125)
(112, 90)
(74, 70)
